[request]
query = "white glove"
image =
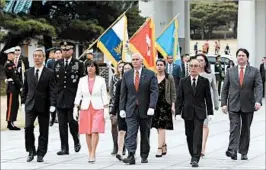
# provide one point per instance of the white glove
(210, 117)
(23, 108)
(8, 80)
(150, 112)
(52, 109)
(75, 114)
(122, 114)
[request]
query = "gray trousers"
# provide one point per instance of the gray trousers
(133, 124)
(239, 138)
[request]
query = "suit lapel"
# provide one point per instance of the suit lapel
(246, 74)
(198, 85)
(41, 76)
(95, 85)
(131, 79)
(33, 77)
(142, 77)
(237, 75)
(189, 84)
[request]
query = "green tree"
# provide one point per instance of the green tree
(207, 16)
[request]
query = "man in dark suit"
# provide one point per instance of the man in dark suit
(138, 99)
(241, 96)
(262, 73)
(37, 98)
(67, 71)
(194, 97)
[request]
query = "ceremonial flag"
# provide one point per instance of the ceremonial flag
(143, 42)
(167, 42)
(113, 41)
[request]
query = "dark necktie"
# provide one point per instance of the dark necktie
(66, 65)
(37, 75)
(186, 71)
(194, 85)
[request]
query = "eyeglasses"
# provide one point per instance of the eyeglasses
(193, 65)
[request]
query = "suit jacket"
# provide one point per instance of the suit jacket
(98, 98)
(38, 95)
(66, 81)
(192, 105)
(147, 95)
(262, 72)
(175, 73)
(114, 110)
(242, 98)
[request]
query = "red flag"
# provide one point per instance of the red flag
(143, 42)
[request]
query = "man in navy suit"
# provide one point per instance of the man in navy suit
(138, 99)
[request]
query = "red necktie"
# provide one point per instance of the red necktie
(137, 81)
(241, 76)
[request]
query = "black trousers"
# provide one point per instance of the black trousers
(239, 138)
(43, 120)
(12, 106)
(133, 124)
(193, 130)
(65, 117)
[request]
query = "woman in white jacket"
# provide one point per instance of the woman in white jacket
(92, 98)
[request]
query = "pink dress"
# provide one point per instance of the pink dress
(91, 120)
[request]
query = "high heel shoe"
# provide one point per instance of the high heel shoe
(158, 156)
(165, 149)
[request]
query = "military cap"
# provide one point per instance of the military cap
(89, 51)
(66, 45)
(10, 50)
(50, 50)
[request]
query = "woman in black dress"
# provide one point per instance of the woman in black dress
(165, 107)
(121, 122)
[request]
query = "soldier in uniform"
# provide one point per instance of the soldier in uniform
(13, 89)
(21, 62)
(68, 71)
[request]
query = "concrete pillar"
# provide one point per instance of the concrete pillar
(187, 27)
(246, 28)
(260, 31)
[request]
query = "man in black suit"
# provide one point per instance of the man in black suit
(194, 97)
(67, 71)
(262, 73)
(37, 98)
(138, 99)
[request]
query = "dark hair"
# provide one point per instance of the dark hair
(126, 63)
(207, 63)
(231, 61)
(161, 60)
(243, 50)
(92, 63)
(57, 49)
(182, 56)
(218, 56)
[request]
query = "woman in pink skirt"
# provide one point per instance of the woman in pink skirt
(92, 94)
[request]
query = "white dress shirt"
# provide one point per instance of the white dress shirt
(40, 71)
(196, 81)
(68, 61)
(239, 69)
(135, 73)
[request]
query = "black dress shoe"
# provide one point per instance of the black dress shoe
(39, 158)
(63, 152)
(231, 154)
(144, 160)
(195, 164)
(244, 157)
(31, 156)
(77, 147)
(119, 157)
(130, 159)
(10, 127)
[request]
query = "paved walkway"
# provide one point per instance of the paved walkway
(13, 155)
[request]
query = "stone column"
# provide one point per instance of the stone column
(246, 28)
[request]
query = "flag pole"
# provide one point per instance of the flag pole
(92, 44)
(168, 24)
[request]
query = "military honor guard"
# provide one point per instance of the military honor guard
(68, 71)
(13, 89)
(21, 62)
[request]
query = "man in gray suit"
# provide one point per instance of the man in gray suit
(241, 96)
(138, 99)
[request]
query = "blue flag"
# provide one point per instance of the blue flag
(167, 42)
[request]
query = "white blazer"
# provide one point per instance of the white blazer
(98, 98)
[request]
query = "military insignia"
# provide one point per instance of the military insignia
(76, 66)
(65, 43)
(57, 65)
(118, 49)
(72, 77)
(77, 76)
(74, 81)
(57, 75)
(7, 61)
